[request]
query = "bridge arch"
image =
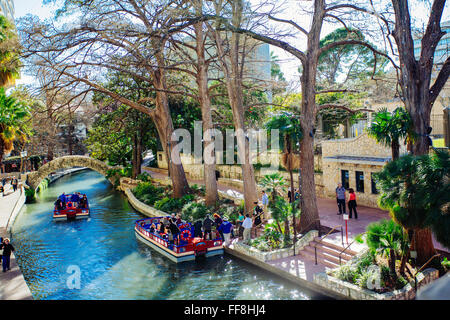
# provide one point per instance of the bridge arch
(35, 178)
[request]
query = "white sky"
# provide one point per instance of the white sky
(289, 64)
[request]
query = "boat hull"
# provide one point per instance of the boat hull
(175, 257)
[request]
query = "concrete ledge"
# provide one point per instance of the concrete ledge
(354, 292)
(275, 254)
(142, 207)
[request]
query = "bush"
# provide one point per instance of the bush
(168, 205)
(30, 195)
(346, 273)
(193, 211)
(146, 177)
(147, 188)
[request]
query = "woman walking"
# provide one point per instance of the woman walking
(7, 249)
(352, 203)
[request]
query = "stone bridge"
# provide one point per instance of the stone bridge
(35, 178)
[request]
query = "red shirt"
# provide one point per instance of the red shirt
(352, 196)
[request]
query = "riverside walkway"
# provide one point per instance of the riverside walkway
(12, 283)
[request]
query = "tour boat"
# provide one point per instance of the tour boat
(189, 247)
(71, 211)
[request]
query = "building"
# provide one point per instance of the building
(7, 9)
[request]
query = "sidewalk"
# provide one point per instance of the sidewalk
(13, 285)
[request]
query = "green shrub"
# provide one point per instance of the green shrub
(193, 211)
(145, 188)
(346, 273)
(401, 282)
(169, 205)
(30, 195)
(145, 176)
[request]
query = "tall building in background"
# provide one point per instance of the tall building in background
(7, 9)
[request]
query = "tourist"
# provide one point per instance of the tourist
(63, 199)
(178, 220)
(58, 204)
(257, 213)
(217, 222)
(1, 250)
(3, 182)
(173, 218)
(174, 230)
(296, 195)
(290, 195)
(239, 224)
(225, 229)
(247, 225)
(265, 203)
(340, 198)
(7, 249)
(14, 183)
(198, 229)
(207, 226)
(152, 228)
(161, 227)
(75, 198)
(2, 190)
(352, 203)
(83, 202)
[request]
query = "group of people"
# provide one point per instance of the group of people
(168, 229)
(76, 200)
(351, 201)
(5, 253)
(14, 184)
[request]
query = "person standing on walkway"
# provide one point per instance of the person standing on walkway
(2, 190)
(340, 198)
(239, 224)
(352, 203)
(14, 183)
(247, 225)
(1, 250)
(7, 249)
(265, 203)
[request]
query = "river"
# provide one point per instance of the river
(103, 254)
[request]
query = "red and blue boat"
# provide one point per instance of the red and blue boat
(72, 209)
(189, 247)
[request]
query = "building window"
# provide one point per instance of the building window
(359, 181)
(374, 185)
(345, 179)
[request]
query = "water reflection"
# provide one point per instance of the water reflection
(113, 264)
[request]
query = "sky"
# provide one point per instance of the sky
(289, 64)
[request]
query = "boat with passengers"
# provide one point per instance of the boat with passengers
(71, 206)
(185, 248)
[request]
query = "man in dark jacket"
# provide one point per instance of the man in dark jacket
(7, 249)
(174, 230)
(198, 229)
(207, 226)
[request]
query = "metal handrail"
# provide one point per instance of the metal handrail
(321, 239)
(345, 249)
(417, 272)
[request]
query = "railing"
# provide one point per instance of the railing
(329, 232)
(345, 249)
(417, 272)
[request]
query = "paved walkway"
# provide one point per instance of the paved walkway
(13, 285)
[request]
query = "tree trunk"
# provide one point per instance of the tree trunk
(209, 159)
(392, 258)
(164, 125)
(395, 148)
(423, 244)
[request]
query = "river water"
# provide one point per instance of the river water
(103, 253)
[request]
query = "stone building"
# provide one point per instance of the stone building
(353, 161)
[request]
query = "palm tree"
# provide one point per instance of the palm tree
(13, 117)
(9, 53)
(273, 183)
(281, 211)
(387, 238)
(388, 128)
(416, 189)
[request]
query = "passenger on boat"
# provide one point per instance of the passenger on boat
(152, 228)
(63, 199)
(173, 218)
(207, 226)
(58, 204)
(170, 237)
(83, 202)
(75, 199)
(217, 222)
(162, 227)
(198, 229)
(179, 221)
(175, 231)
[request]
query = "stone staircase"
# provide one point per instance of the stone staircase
(327, 253)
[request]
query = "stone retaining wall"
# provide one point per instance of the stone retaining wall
(142, 207)
(276, 254)
(354, 292)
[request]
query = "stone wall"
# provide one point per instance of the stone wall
(34, 178)
(354, 292)
(275, 254)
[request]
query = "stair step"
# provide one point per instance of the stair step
(323, 255)
(334, 246)
(325, 262)
(331, 251)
